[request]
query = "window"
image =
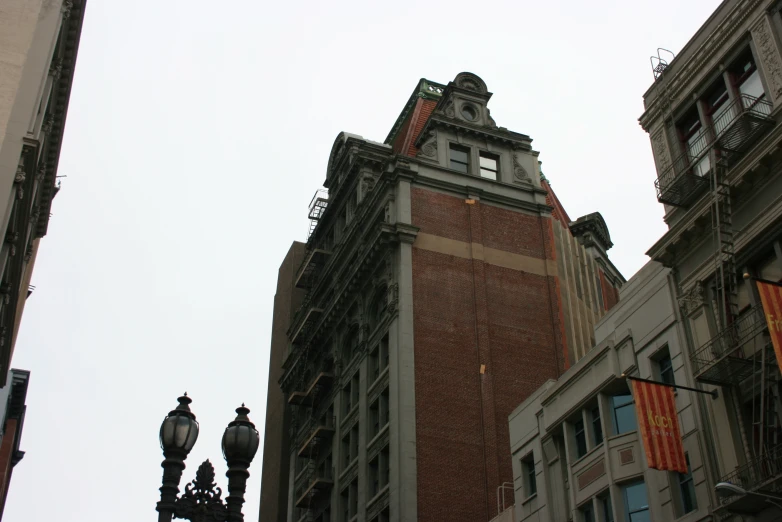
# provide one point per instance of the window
(588, 513)
(636, 503)
(346, 460)
(374, 476)
(695, 140)
(746, 77)
(460, 158)
(687, 489)
(581, 442)
(488, 166)
(624, 413)
(374, 419)
(378, 359)
(665, 367)
(347, 398)
(597, 427)
(605, 507)
(528, 471)
(350, 501)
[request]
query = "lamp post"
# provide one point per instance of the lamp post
(729, 489)
(201, 500)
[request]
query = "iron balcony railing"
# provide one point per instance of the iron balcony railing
(761, 473)
(728, 357)
(732, 132)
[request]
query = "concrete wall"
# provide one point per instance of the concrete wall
(629, 338)
(274, 478)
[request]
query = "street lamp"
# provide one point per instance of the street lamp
(201, 499)
(728, 489)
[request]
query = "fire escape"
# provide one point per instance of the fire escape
(740, 356)
(312, 440)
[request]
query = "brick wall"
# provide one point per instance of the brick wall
(469, 313)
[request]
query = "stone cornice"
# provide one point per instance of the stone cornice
(685, 73)
(496, 134)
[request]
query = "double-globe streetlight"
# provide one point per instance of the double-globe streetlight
(201, 500)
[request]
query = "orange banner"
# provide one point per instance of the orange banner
(659, 426)
(771, 297)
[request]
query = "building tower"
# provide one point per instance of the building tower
(442, 283)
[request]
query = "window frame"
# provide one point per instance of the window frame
(629, 512)
(529, 475)
(614, 409)
(579, 434)
(451, 161)
(686, 482)
(491, 157)
(596, 423)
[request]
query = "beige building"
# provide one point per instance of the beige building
(39, 40)
(689, 316)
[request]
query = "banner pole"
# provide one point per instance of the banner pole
(713, 393)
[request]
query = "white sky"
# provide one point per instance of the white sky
(197, 133)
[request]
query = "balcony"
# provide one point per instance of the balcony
(734, 132)
(311, 266)
(320, 435)
(761, 475)
(679, 184)
(730, 356)
(316, 482)
(741, 125)
(305, 323)
(320, 384)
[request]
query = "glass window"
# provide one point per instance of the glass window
(745, 75)
(597, 428)
(624, 413)
(488, 166)
(636, 503)
(687, 489)
(666, 368)
(588, 513)
(605, 507)
(460, 158)
(581, 443)
(528, 469)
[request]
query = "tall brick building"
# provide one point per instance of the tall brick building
(441, 284)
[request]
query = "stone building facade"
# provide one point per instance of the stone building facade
(39, 40)
(712, 115)
(443, 283)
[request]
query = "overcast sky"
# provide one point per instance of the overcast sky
(198, 132)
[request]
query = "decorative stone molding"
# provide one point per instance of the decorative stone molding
(470, 82)
(492, 123)
(429, 147)
(393, 294)
(448, 109)
(768, 54)
(67, 6)
(20, 175)
(47, 125)
(55, 69)
(519, 172)
(693, 299)
(28, 254)
(661, 153)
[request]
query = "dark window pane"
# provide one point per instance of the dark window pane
(666, 370)
(608, 512)
(624, 414)
(581, 445)
(459, 155)
(635, 497)
(640, 516)
(588, 514)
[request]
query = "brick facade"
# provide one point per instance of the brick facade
(470, 313)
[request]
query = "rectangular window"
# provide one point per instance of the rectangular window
(624, 413)
(588, 513)
(687, 489)
(695, 140)
(488, 166)
(354, 389)
(665, 365)
(374, 419)
(636, 503)
(346, 451)
(347, 398)
(745, 75)
(597, 427)
(605, 507)
(384, 408)
(528, 471)
(374, 476)
(460, 158)
(384, 353)
(385, 467)
(581, 442)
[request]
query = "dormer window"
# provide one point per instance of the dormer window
(460, 158)
(488, 166)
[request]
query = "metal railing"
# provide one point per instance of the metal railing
(761, 472)
(730, 342)
(727, 131)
